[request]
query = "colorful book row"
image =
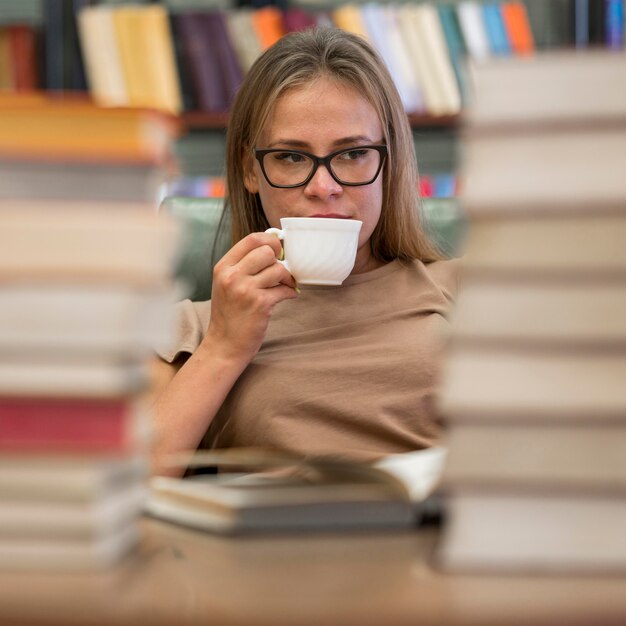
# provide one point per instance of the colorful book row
(143, 55)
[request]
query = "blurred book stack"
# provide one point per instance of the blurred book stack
(534, 390)
(85, 295)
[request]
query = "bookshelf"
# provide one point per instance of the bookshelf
(44, 45)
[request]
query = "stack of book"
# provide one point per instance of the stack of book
(85, 293)
(534, 388)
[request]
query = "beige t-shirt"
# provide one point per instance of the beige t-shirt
(348, 371)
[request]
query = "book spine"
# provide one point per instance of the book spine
(23, 51)
(65, 424)
(614, 25)
(200, 56)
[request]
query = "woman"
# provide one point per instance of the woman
(347, 370)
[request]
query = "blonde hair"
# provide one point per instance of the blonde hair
(298, 59)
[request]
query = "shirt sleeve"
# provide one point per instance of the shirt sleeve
(192, 320)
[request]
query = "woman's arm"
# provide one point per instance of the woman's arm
(247, 285)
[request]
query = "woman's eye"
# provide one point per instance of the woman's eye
(353, 155)
(289, 157)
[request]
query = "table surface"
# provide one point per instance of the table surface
(181, 576)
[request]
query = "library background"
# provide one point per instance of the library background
(109, 110)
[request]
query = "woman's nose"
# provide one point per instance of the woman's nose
(323, 184)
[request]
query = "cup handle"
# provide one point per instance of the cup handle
(281, 235)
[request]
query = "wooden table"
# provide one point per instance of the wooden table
(185, 577)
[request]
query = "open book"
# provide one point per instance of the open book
(293, 493)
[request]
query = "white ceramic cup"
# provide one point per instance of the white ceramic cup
(318, 250)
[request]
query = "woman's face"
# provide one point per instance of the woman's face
(321, 118)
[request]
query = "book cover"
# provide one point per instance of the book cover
(23, 57)
(534, 533)
(133, 247)
(103, 64)
(119, 320)
(540, 244)
(243, 36)
(529, 383)
(227, 60)
(551, 23)
(209, 89)
(6, 73)
(63, 63)
(456, 44)
(566, 313)
(165, 91)
(36, 126)
(496, 33)
(79, 181)
(31, 520)
(68, 555)
(75, 477)
(268, 24)
(400, 52)
(146, 51)
(408, 21)
(437, 54)
(72, 378)
(474, 31)
(297, 18)
(393, 55)
(614, 24)
(579, 16)
(597, 22)
(555, 178)
(348, 17)
(517, 24)
(587, 456)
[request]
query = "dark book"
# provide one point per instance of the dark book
(579, 26)
(203, 64)
(227, 62)
(597, 16)
(184, 70)
(63, 67)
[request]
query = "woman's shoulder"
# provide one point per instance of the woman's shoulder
(191, 322)
(443, 273)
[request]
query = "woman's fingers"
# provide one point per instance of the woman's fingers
(253, 241)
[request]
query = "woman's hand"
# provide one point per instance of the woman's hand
(247, 285)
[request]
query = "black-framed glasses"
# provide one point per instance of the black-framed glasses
(356, 166)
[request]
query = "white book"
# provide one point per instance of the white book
(503, 383)
(540, 244)
(493, 454)
(541, 312)
(411, 87)
(431, 33)
(83, 243)
(474, 31)
(103, 64)
(408, 23)
(118, 320)
(32, 554)
(534, 533)
(508, 171)
(562, 87)
(388, 46)
(50, 519)
(58, 378)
